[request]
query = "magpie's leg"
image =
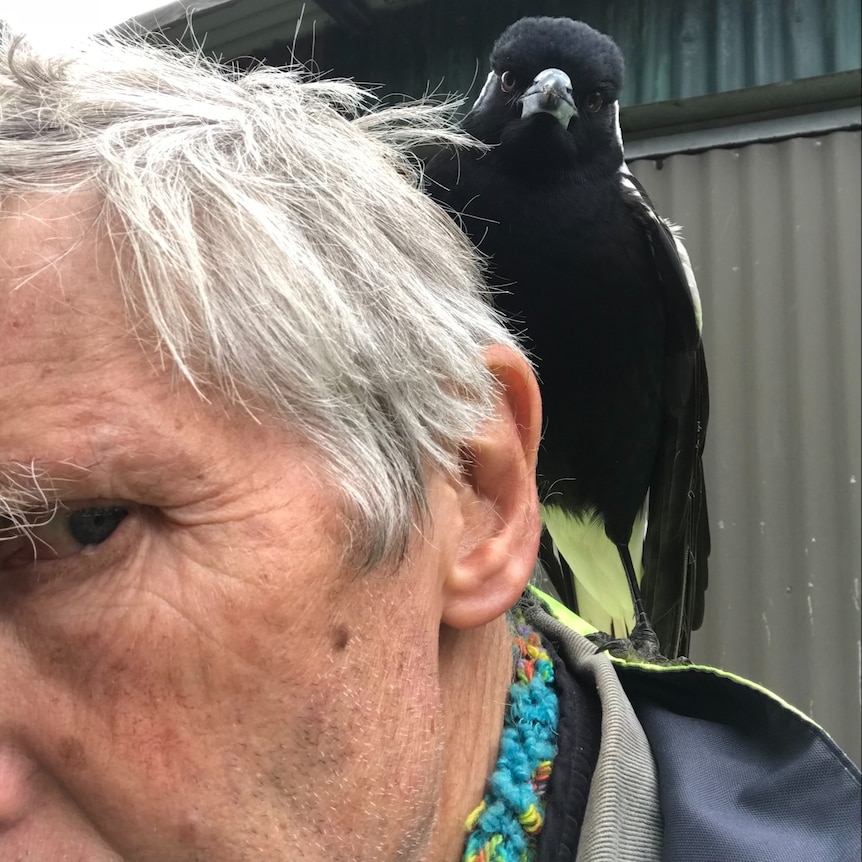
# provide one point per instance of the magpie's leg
(642, 644)
(641, 618)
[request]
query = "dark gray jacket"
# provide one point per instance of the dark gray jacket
(686, 764)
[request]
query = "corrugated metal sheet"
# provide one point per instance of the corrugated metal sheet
(773, 231)
(674, 49)
(239, 28)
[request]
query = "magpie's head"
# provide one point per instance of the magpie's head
(552, 94)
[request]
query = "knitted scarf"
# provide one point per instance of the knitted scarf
(505, 825)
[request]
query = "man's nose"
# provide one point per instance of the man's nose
(16, 771)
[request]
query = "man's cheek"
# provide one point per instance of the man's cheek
(106, 687)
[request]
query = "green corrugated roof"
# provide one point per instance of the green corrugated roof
(689, 63)
(674, 49)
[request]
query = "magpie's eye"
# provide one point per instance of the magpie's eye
(507, 82)
(593, 102)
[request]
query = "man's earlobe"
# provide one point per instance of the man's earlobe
(498, 500)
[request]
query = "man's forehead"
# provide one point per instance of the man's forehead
(57, 272)
(50, 223)
(68, 361)
(52, 245)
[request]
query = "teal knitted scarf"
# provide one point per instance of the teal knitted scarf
(505, 825)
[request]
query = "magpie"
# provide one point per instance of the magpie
(602, 290)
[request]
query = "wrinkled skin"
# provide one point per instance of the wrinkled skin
(215, 680)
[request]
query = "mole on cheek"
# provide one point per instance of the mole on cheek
(188, 833)
(340, 637)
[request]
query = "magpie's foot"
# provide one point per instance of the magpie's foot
(641, 645)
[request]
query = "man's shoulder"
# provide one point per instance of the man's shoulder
(739, 773)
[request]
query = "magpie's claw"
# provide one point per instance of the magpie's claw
(642, 645)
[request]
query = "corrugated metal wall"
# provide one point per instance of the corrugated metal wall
(774, 234)
(674, 49)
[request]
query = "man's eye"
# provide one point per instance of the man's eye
(62, 534)
(91, 526)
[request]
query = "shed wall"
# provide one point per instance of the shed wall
(774, 234)
(674, 49)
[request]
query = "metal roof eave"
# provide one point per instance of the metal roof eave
(805, 96)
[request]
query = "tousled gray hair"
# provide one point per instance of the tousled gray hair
(281, 248)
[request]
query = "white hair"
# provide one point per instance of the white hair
(278, 241)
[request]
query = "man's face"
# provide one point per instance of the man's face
(190, 669)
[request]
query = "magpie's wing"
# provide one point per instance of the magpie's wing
(677, 540)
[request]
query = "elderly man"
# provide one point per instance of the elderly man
(267, 507)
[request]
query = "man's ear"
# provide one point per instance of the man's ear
(498, 500)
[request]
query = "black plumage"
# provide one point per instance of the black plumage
(604, 293)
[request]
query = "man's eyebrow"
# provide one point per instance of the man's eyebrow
(28, 487)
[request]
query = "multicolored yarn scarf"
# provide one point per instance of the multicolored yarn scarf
(504, 826)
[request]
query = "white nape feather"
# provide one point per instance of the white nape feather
(484, 91)
(601, 589)
(618, 131)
